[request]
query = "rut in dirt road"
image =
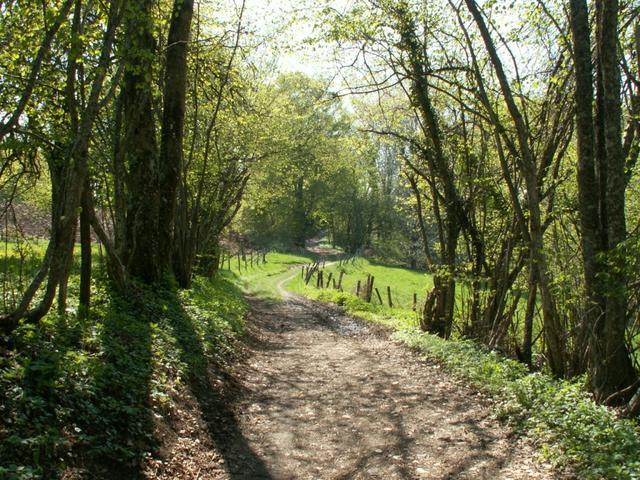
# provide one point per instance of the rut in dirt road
(329, 397)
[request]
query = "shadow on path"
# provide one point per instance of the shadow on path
(214, 402)
(328, 396)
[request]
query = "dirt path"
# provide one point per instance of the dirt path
(324, 396)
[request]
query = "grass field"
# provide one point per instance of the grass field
(262, 279)
(403, 282)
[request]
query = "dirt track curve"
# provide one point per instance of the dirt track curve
(320, 395)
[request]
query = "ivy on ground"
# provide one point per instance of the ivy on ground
(81, 394)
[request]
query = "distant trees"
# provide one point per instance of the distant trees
(287, 183)
(319, 173)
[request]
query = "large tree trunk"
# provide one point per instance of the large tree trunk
(612, 369)
(601, 195)
(588, 190)
(139, 145)
(171, 153)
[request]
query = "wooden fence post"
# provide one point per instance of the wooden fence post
(329, 279)
(340, 280)
(358, 289)
(367, 286)
(370, 289)
(389, 296)
(379, 296)
(415, 301)
(310, 271)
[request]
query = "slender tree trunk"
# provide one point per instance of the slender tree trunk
(439, 309)
(299, 215)
(119, 181)
(553, 329)
(63, 284)
(527, 336)
(85, 252)
(413, 182)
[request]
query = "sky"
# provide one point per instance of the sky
(288, 35)
(288, 25)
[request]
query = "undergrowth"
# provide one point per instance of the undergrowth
(81, 395)
(570, 427)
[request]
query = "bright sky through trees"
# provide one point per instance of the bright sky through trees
(288, 28)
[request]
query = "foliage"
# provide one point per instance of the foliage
(83, 393)
(319, 174)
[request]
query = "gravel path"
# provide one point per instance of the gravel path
(325, 396)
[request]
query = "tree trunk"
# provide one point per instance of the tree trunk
(172, 133)
(85, 253)
(553, 331)
(66, 213)
(299, 215)
(527, 337)
(139, 145)
(612, 369)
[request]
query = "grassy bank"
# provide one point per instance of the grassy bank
(560, 416)
(403, 283)
(84, 395)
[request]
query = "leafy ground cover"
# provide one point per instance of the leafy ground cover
(82, 395)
